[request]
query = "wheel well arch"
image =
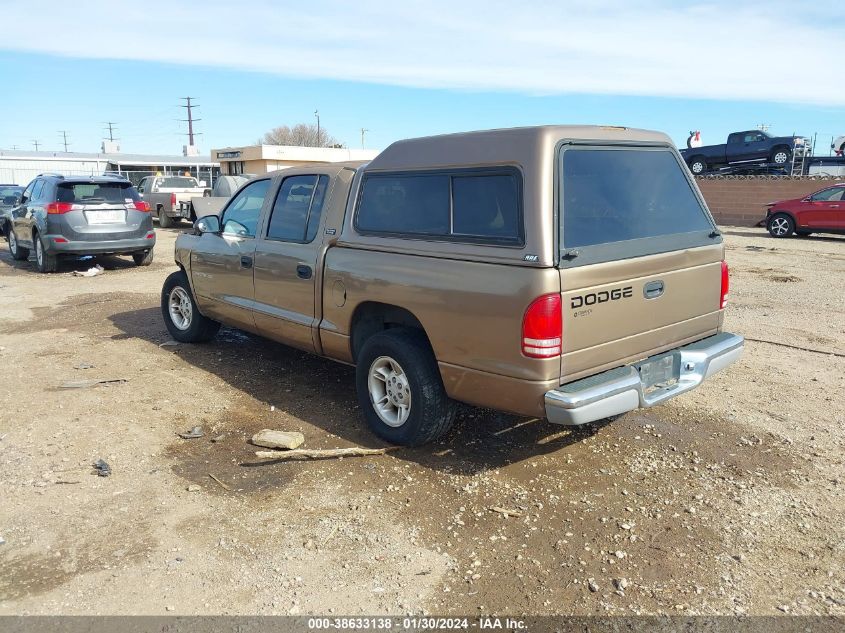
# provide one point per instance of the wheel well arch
(789, 214)
(779, 147)
(694, 157)
(372, 317)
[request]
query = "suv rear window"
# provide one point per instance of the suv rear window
(96, 192)
(467, 205)
(629, 195)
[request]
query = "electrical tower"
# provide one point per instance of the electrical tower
(190, 120)
(110, 126)
(64, 138)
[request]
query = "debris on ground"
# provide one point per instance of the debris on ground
(193, 488)
(223, 485)
(2, 541)
(592, 585)
(102, 468)
(194, 433)
(506, 512)
(323, 453)
(83, 366)
(169, 344)
(218, 438)
(278, 439)
(91, 272)
(84, 384)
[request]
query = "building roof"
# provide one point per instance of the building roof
(114, 159)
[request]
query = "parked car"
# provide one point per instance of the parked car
(820, 212)
(164, 193)
(750, 146)
(10, 195)
(838, 145)
(80, 215)
(213, 200)
(571, 273)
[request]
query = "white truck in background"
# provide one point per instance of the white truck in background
(165, 193)
(213, 200)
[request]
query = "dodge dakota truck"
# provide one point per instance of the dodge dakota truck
(749, 147)
(562, 272)
(164, 195)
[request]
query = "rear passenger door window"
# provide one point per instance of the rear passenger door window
(36, 191)
(297, 209)
(463, 206)
(244, 210)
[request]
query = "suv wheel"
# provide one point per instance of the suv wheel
(143, 259)
(400, 389)
(780, 225)
(181, 316)
(45, 262)
(780, 157)
(18, 252)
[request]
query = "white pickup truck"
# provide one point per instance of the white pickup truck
(164, 193)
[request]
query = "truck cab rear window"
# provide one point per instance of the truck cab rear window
(613, 195)
(464, 206)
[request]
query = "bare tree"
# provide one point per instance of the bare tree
(301, 134)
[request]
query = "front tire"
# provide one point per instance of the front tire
(780, 225)
(400, 390)
(180, 312)
(19, 253)
(44, 261)
(143, 259)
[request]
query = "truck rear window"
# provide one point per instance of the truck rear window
(466, 205)
(96, 192)
(613, 195)
(177, 182)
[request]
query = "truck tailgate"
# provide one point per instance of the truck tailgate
(622, 311)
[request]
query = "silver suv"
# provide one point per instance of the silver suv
(80, 215)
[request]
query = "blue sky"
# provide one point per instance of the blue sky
(407, 71)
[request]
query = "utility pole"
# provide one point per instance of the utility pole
(317, 114)
(64, 138)
(36, 143)
(190, 120)
(363, 131)
(764, 127)
(14, 148)
(110, 125)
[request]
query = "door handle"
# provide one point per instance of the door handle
(653, 289)
(303, 271)
(246, 261)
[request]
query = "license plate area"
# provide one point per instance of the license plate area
(110, 216)
(659, 372)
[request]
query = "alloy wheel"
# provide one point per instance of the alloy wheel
(390, 391)
(780, 226)
(180, 308)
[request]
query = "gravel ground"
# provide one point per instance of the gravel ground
(726, 500)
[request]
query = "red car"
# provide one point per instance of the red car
(820, 212)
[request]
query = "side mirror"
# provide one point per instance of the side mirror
(207, 224)
(23, 199)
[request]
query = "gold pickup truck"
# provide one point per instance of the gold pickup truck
(572, 273)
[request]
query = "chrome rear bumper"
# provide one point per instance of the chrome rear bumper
(619, 390)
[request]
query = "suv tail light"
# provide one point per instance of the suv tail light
(140, 205)
(542, 327)
(726, 282)
(172, 199)
(59, 207)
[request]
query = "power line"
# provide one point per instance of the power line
(190, 120)
(36, 143)
(64, 138)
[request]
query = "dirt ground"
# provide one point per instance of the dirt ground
(730, 499)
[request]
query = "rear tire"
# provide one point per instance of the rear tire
(698, 166)
(400, 389)
(780, 225)
(780, 156)
(180, 312)
(164, 220)
(44, 261)
(143, 259)
(19, 253)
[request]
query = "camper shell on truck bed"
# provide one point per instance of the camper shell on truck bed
(566, 272)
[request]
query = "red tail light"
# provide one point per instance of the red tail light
(726, 282)
(172, 199)
(140, 205)
(542, 327)
(59, 207)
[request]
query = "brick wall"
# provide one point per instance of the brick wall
(741, 200)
